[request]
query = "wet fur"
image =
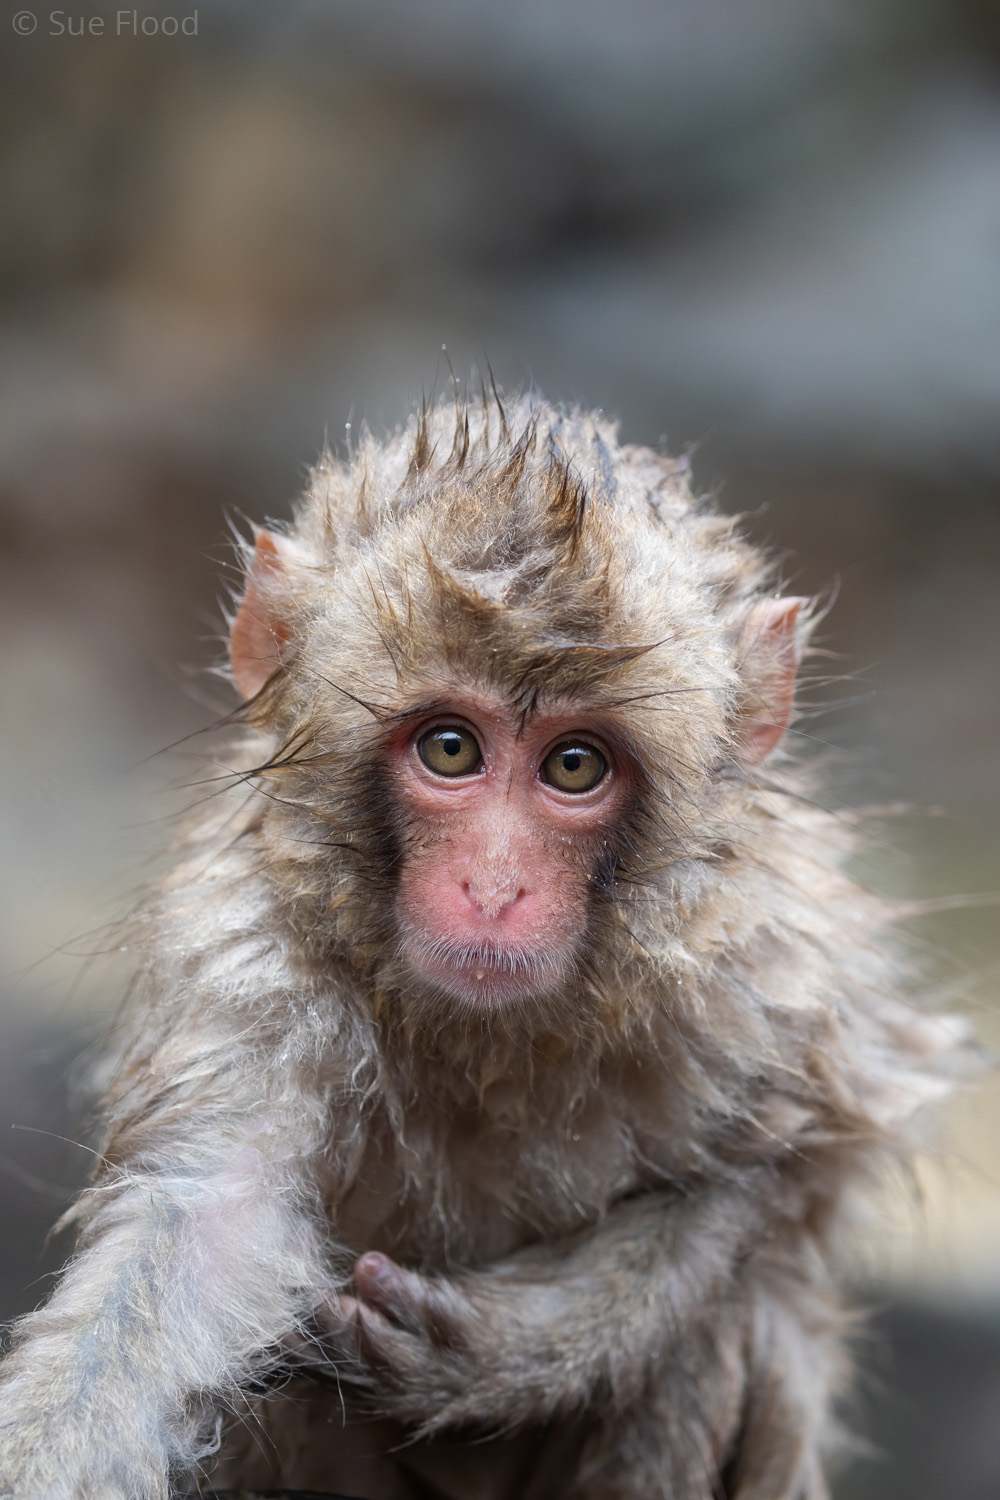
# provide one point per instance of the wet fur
(624, 1200)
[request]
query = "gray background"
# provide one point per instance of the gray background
(767, 231)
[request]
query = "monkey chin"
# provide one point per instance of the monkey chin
(485, 976)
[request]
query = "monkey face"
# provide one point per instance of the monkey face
(504, 824)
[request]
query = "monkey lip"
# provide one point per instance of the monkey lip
(487, 971)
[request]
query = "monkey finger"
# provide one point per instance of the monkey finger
(386, 1287)
(433, 1307)
(338, 1328)
(305, 1350)
(334, 1314)
(387, 1344)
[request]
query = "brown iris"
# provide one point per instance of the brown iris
(573, 766)
(448, 750)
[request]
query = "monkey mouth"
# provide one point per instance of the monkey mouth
(488, 972)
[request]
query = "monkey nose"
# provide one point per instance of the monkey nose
(492, 903)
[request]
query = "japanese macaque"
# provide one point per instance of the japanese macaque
(508, 1041)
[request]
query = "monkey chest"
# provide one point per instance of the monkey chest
(470, 1191)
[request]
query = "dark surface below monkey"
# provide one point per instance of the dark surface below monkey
(508, 1044)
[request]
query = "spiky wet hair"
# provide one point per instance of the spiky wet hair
(523, 547)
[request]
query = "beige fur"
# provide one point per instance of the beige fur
(621, 1202)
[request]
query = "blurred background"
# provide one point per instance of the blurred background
(764, 232)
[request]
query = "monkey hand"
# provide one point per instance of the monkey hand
(442, 1351)
(538, 1332)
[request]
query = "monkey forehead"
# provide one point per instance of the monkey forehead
(523, 549)
(506, 722)
(402, 609)
(463, 651)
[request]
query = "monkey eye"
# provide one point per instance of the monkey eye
(573, 767)
(449, 751)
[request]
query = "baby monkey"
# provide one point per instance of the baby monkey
(508, 1038)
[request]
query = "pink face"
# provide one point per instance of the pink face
(504, 828)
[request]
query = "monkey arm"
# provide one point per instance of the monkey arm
(188, 1273)
(184, 1282)
(541, 1331)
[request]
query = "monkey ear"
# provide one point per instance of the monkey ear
(770, 649)
(259, 631)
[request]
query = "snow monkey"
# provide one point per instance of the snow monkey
(508, 1039)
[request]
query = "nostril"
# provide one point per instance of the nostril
(491, 902)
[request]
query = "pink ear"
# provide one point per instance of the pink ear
(259, 633)
(769, 660)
